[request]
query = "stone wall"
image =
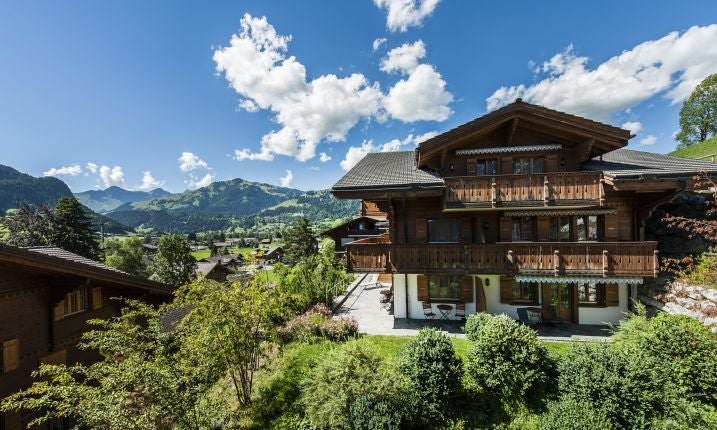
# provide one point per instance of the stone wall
(694, 301)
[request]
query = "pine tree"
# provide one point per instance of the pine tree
(299, 241)
(74, 230)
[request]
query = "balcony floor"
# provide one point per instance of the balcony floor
(363, 303)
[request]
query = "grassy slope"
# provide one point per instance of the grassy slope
(708, 147)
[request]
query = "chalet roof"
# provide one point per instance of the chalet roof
(388, 170)
(51, 259)
(205, 267)
(629, 164)
(378, 220)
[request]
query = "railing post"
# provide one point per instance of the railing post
(493, 192)
(546, 190)
(511, 259)
(601, 191)
(556, 262)
(655, 263)
(605, 262)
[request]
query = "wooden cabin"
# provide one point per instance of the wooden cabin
(362, 227)
(46, 297)
(523, 207)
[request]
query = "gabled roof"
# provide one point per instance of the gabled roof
(387, 170)
(629, 164)
(51, 259)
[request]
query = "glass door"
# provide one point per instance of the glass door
(559, 298)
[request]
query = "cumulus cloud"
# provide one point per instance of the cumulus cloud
(285, 181)
(195, 182)
(670, 66)
(189, 161)
(420, 97)
(402, 14)
(324, 157)
(377, 43)
(92, 167)
(356, 153)
(112, 176)
(404, 59)
(647, 140)
(425, 136)
(148, 182)
(71, 170)
(635, 127)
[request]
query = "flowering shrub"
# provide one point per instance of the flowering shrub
(318, 323)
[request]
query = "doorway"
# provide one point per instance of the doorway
(561, 298)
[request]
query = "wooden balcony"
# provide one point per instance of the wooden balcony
(540, 258)
(547, 189)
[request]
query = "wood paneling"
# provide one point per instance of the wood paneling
(467, 289)
(506, 289)
(422, 288)
(612, 296)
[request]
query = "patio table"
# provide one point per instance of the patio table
(445, 311)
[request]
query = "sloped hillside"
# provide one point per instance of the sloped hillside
(17, 187)
(103, 201)
(698, 150)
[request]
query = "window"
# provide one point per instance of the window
(10, 355)
(75, 301)
(561, 229)
(443, 287)
(525, 292)
(442, 230)
(589, 227)
(486, 167)
(523, 229)
(591, 294)
(527, 165)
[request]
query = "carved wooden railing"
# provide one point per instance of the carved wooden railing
(546, 258)
(546, 189)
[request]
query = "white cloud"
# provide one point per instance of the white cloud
(647, 140)
(195, 182)
(324, 157)
(406, 13)
(71, 170)
(189, 162)
(421, 97)
(148, 182)
(425, 136)
(670, 66)
(404, 59)
(377, 43)
(356, 153)
(92, 167)
(112, 176)
(285, 181)
(635, 127)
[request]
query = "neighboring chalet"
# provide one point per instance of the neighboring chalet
(265, 256)
(219, 267)
(525, 207)
(361, 227)
(46, 296)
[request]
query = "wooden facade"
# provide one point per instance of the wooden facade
(45, 303)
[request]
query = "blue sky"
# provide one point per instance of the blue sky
(99, 93)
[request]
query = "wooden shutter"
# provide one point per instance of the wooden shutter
(59, 311)
(466, 233)
(551, 163)
(96, 297)
(471, 166)
(506, 165)
(422, 288)
(10, 355)
(467, 289)
(506, 229)
(420, 230)
(480, 296)
(611, 230)
(506, 289)
(612, 295)
(57, 357)
(543, 228)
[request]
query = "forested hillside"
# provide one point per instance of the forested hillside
(103, 201)
(17, 187)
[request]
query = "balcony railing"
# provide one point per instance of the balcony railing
(547, 258)
(546, 189)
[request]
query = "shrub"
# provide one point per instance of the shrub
(317, 324)
(509, 361)
(569, 414)
(430, 363)
(630, 389)
(475, 324)
(688, 347)
(387, 411)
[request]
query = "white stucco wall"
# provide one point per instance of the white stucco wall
(399, 296)
(611, 314)
(492, 298)
(415, 307)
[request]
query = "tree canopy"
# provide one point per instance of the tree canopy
(299, 241)
(174, 263)
(126, 255)
(698, 115)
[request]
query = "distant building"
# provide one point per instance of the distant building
(269, 255)
(219, 267)
(149, 248)
(358, 228)
(46, 297)
(266, 241)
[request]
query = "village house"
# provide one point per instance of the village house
(526, 211)
(218, 267)
(361, 227)
(46, 297)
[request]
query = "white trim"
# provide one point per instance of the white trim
(578, 279)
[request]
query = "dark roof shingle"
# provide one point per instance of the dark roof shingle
(388, 170)
(627, 164)
(54, 251)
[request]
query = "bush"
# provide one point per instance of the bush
(508, 360)
(430, 363)
(569, 414)
(475, 324)
(317, 324)
(688, 347)
(381, 412)
(630, 389)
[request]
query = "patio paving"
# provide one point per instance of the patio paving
(363, 303)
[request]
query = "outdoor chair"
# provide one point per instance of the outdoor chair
(428, 311)
(554, 315)
(524, 317)
(460, 311)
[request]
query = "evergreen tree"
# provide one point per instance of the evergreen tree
(174, 263)
(74, 230)
(698, 115)
(213, 250)
(126, 255)
(299, 241)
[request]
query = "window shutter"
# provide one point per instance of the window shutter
(536, 294)
(422, 288)
(612, 295)
(471, 166)
(543, 228)
(611, 230)
(506, 289)
(467, 289)
(506, 229)
(480, 295)
(96, 298)
(421, 230)
(466, 232)
(10, 355)
(59, 313)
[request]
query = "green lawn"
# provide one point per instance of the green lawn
(708, 147)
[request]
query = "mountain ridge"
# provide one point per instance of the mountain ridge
(111, 198)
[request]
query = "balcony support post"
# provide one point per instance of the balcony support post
(605, 262)
(556, 262)
(546, 191)
(493, 192)
(601, 191)
(656, 263)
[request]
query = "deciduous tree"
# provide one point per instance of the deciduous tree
(698, 115)
(30, 226)
(126, 255)
(174, 263)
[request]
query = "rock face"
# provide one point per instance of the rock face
(694, 301)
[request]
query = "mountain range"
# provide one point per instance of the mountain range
(104, 201)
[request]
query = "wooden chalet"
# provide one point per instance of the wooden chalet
(361, 227)
(46, 297)
(525, 207)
